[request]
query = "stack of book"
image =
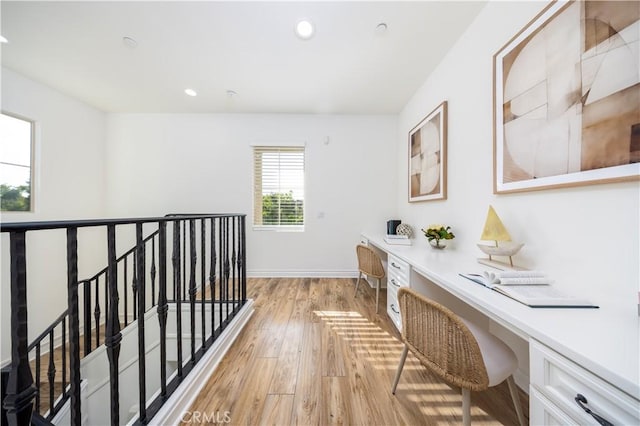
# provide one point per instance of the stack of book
(532, 288)
(402, 240)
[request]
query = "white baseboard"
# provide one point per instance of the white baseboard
(256, 273)
(174, 409)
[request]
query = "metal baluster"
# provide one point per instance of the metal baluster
(184, 258)
(106, 294)
(86, 294)
(163, 306)
(203, 279)
(243, 264)
(153, 271)
(74, 325)
(233, 262)
(212, 276)
(140, 260)
(220, 273)
(64, 355)
(51, 373)
(134, 288)
(177, 286)
(126, 280)
(113, 335)
(226, 264)
(38, 377)
(96, 312)
(20, 389)
(192, 287)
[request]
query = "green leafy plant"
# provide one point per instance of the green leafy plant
(15, 198)
(438, 232)
(280, 208)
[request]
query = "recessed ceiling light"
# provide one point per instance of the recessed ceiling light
(381, 28)
(129, 42)
(190, 92)
(305, 29)
(3, 40)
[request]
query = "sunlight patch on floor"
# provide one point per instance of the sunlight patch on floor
(382, 351)
(341, 314)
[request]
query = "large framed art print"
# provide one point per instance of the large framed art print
(567, 98)
(428, 157)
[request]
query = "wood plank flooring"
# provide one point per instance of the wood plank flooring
(313, 354)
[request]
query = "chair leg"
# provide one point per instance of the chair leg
(357, 284)
(377, 294)
(403, 358)
(466, 407)
(513, 389)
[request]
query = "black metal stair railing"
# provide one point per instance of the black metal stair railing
(216, 241)
(56, 391)
(36, 346)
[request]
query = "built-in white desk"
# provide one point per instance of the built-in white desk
(595, 352)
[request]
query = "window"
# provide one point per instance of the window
(16, 183)
(278, 187)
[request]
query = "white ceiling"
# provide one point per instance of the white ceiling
(247, 47)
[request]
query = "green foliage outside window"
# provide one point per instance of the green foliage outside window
(15, 198)
(282, 209)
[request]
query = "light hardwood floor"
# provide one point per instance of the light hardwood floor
(313, 354)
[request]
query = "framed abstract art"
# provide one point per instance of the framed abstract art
(567, 98)
(428, 157)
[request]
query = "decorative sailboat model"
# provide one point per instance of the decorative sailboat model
(494, 230)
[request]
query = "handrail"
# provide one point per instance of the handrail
(200, 262)
(85, 223)
(48, 330)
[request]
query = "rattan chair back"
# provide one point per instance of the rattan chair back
(369, 262)
(441, 341)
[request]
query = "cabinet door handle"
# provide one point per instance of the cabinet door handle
(580, 399)
(393, 281)
(395, 266)
(392, 308)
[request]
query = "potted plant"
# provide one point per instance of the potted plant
(436, 233)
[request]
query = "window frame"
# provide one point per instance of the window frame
(258, 205)
(32, 162)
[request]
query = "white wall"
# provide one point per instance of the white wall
(69, 183)
(586, 238)
(91, 165)
(164, 163)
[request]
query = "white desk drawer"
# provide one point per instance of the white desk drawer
(544, 412)
(397, 276)
(393, 285)
(393, 310)
(560, 380)
(398, 269)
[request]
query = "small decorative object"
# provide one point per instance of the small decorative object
(436, 233)
(495, 230)
(392, 226)
(404, 229)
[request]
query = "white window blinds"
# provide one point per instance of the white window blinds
(278, 186)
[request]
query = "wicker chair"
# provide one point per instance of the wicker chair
(455, 349)
(369, 263)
